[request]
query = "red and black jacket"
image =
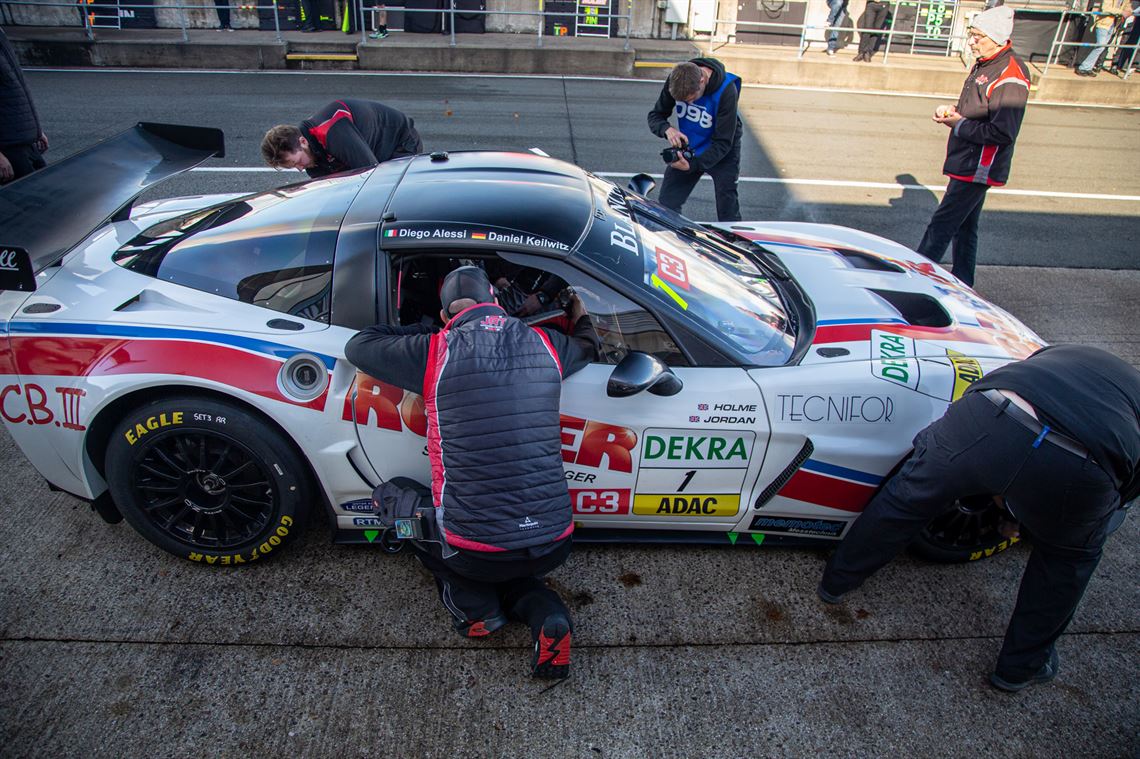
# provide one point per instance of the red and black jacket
(355, 134)
(491, 387)
(980, 147)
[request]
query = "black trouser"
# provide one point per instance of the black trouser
(677, 185)
(482, 594)
(1123, 56)
(412, 145)
(956, 219)
(309, 15)
(24, 159)
(1063, 502)
(223, 8)
(874, 17)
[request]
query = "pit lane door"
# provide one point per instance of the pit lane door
(686, 461)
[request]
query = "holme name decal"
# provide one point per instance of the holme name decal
(836, 408)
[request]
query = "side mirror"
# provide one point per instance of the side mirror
(642, 184)
(640, 371)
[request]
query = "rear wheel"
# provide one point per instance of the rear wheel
(207, 481)
(968, 532)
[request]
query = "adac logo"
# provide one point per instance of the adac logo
(528, 524)
(493, 323)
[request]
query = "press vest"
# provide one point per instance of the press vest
(491, 395)
(697, 120)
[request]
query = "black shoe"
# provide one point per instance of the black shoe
(1047, 672)
(308, 28)
(827, 597)
(858, 57)
(1082, 72)
(551, 660)
(479, 628)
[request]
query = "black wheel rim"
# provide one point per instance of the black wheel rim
(205, 490)
(973, 522)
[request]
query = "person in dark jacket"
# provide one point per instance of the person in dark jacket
(22, 139)
(345, 134)
(983, 129)
(704, 98)
(1054, 438)
(491, 387)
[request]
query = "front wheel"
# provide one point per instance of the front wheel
(207, 481)
(969, 532)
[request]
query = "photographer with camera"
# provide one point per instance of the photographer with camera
(703, 97)
(499, 507)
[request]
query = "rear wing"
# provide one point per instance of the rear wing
(47, 213)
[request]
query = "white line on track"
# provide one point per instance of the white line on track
(656, 82)
(790, 181)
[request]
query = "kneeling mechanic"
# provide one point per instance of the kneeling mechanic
(491, 387)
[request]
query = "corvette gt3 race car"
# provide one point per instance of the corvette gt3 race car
(180, 362)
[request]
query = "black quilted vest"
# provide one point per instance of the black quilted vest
(491, 392)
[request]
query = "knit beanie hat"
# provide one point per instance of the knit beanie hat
(996, 23)
(466, 282)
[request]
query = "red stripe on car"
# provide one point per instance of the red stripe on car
(827, 491)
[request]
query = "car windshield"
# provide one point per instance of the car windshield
(274, 249)
(696, 277)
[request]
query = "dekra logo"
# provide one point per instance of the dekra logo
(694, 448)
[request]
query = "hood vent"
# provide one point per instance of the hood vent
(918, 309)
(862, 260)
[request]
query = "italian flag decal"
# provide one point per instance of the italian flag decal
(389, 233)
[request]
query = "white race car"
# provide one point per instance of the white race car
(181, 362)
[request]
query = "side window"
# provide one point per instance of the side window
(539, 291)
(273, 250)
(620, 324)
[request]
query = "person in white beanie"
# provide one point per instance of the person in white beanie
(983, 128)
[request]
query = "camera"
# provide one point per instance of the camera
(671, 154)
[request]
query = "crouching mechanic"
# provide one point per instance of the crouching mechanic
(345, 134)
(1057, 438)
(491, 387)
(704, 97)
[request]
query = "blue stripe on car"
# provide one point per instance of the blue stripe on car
(252, 344)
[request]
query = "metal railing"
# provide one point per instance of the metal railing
(1113, 45)
(889, 32)
(452, 11)
(85, 8)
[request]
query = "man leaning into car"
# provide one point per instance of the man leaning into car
(1056, 438)
(345, 134)
(491, 387)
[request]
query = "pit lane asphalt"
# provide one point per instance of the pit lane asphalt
(109, 647)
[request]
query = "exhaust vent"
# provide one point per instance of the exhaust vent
(789, 470)
(866, 261)
(917, 308)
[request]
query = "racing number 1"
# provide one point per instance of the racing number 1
(685, 482)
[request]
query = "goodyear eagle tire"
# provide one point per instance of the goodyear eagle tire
(207, 481)
(968, 532)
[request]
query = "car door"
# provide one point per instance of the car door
(644, 461)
